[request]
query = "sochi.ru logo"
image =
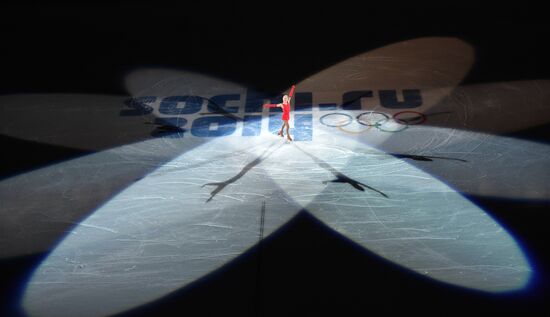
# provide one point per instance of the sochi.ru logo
(177, 115)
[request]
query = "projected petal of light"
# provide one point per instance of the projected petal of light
(423, 224)
(165, 231)
(474, 163)
(39, 207)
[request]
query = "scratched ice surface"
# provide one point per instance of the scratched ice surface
(423, 224)
(203, 209)
(475, 163)
(164, 232)
(40, 206)
(387, 191)
(478, 163)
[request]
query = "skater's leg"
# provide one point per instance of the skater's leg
(281, 131)
(287, 133)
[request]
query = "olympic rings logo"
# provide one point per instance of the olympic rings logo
(398, 122)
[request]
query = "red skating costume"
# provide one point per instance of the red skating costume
(286, 106)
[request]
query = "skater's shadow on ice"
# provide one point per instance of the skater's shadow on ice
(340, 177)
(248, 167)
(424, 157)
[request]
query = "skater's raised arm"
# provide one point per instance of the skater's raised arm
(291, 93)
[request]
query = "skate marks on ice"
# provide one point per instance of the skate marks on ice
(159, 234)
(248, 167)
(163, 228)
(340, 178)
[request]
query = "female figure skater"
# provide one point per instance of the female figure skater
(285, 106)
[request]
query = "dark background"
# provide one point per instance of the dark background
(88, 47)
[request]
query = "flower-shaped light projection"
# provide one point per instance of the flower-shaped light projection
(147, 217)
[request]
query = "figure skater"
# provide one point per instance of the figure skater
(285, 106)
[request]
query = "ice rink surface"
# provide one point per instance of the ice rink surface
(160, 203)
(204, 208)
